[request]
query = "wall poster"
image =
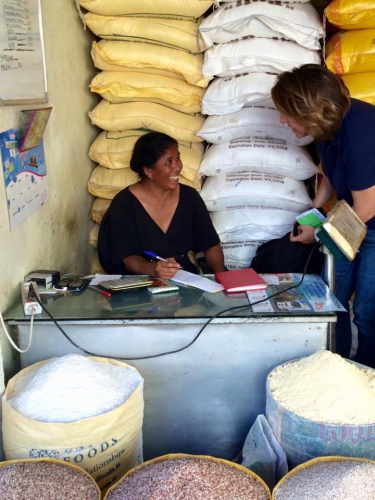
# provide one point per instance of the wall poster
(25, 177)
(22, 63)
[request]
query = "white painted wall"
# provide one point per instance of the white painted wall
(57, 235)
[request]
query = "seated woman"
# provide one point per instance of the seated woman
(159, 215)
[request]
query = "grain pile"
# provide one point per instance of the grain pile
(44, 480)
(333, 480)
(188, 479)
(325, 388)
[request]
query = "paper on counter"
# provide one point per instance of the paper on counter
(190, 279)
(98, 278)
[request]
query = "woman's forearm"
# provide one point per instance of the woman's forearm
(325, 190)
(215, 258)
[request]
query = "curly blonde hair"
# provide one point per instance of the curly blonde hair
(314, 97)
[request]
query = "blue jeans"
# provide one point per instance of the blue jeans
(357, 276)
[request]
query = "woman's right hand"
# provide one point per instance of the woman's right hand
(166, 270)
(306, 235)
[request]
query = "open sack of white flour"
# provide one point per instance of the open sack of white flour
(85, 411)
(254, 190)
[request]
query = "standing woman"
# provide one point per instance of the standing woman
(314, 101)
(159, 215)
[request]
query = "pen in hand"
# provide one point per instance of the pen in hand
(155, 256)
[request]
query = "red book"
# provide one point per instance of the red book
(241, 280)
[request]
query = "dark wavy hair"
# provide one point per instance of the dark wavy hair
(313, 96)
(148, 149)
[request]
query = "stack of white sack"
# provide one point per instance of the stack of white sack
(350, 53)
(151, 57)
(254, 161)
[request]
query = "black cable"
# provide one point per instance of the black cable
(197, 335)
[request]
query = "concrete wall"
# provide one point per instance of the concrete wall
(56, 236)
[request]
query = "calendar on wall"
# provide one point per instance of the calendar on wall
(22, 62)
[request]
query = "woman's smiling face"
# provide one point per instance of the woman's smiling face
(167, 169)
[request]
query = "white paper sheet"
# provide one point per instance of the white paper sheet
(190, 279)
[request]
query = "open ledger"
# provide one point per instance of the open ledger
(197, 281)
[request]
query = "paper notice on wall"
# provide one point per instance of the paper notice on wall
(25, 177)
(22, 66)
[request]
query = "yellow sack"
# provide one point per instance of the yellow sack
(114, 150)
(351, 14)
(173, 9)
(116, 86)
(113, 55)
(361, 86)
(106, 183)
(106, 446)
(96, 267)
(181, 35)
(94, 236)
(99, 208)
(135, 115)
(351, 52)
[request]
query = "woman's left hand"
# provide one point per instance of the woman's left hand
(306, 235)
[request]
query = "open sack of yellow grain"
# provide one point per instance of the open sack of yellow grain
(148, 115)
(115, 55)
(85, 411)
(322, 405)
(45, 479)
(176, 93)
(351, 14)
(176, 34)
(189, 476)
(174, 9)
(328, 478)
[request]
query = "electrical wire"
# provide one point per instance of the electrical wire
(151, 356)
(22, 351)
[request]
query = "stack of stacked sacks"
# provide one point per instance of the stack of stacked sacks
(255, 166)
(151, 80)
(351, 53)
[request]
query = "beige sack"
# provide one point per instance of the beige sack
(143, 55)
(174, 9)
(106, 183)
(114, 150)
(106, 446)
(99, 208)
(178, 34)
(116, 86)
(135, 115)
(94, 236)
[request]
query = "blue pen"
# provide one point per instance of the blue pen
(154, 256)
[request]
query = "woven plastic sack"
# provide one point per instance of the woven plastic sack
(238, 255)
(303, 439)
(301, 23)
(262, 454)
(94, 236)
(256, 56)
(114, 150)
(99, 208)
(113, 55)
(254, 190)
(351, 52)
(166, 32)
(270, 156)
(233, 465)
(174, 9)
(106, 183)
(361, 86)
(253, 121)
(106, 446)
(351, 14)
(228, 95)
(117, 86)
(156, 117)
